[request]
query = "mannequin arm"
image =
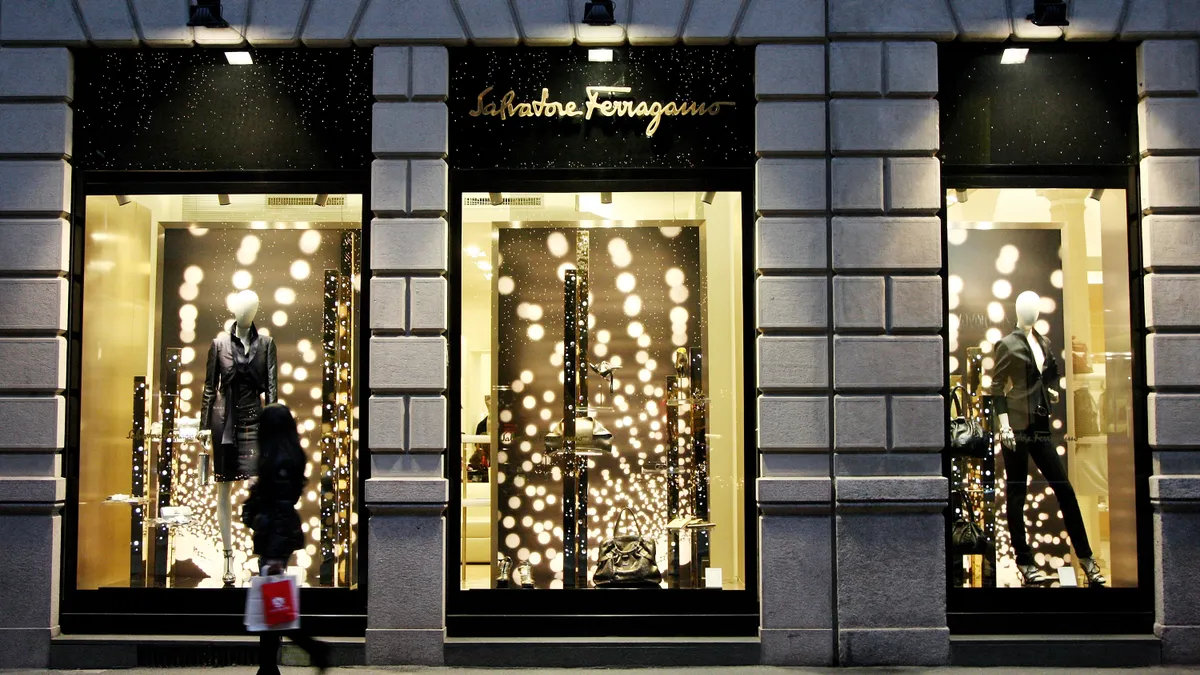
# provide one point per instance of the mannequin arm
(1007, 438)
(272, 375)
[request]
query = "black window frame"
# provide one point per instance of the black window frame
(595, 612)
(984, 611)
(180, 611)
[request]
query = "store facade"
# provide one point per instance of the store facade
(721, 282)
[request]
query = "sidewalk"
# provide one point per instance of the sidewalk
(736, 670)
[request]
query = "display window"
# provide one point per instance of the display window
(1042, 437)
(196, 312)
(602, 400)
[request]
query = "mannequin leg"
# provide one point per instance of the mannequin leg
(1016, 473)
(225, 520)
(1048, 463)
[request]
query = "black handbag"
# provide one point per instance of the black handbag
(967, 436)
(966, 537)
(627, 561)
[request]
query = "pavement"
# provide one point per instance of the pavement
(724, 670)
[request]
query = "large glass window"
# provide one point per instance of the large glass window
(1040, 359)
(197, 311)
(602, 399)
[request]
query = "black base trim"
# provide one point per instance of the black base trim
(1056, 651)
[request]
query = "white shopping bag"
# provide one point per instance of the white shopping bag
(255, 623)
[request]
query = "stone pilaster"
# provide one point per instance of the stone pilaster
(1169, 82)
(35, 196)
(887, 353)
(407, 492)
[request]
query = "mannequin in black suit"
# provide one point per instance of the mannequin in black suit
(241, 369)
(1022, 378)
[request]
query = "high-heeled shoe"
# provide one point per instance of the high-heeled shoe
(1091, 569)
(1032, 575)
(525, 574)
(229, 577)
(504, 573)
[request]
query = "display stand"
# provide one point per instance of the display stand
(976, 478)
(137, 512)
(166, 461)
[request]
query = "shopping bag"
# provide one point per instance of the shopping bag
(284, 598)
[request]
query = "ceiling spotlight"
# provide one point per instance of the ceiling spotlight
(708, 197)
(605, 197)
(320, 200)
(1049, 13)
(1013, 55)
(1096, 194)
(123, 199)
(962, 196)
(239, 58)
(599, 13)
(206, 14)
(223, 200)
(496, 198)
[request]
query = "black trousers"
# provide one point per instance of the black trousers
(1035, 442)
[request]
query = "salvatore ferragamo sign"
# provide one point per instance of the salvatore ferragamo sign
(487, 104)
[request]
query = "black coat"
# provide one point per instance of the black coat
(1027, 397)
(234, 382)
(270, 510)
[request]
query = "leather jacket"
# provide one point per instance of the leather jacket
(1026, 401)
(234, 382)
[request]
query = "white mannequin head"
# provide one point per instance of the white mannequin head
(244, 306)
(1028, 308)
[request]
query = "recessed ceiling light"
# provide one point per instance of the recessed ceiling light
(239, 58)
(600, 55)
(1014, 55)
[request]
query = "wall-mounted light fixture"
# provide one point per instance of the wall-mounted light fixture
(962, 196)
(496, 198)
(1049, 13)
(321, 200)
(239, 58)
(223, 200)
(1096, 194)
(708, 197)
(605, 197)
(206, 14)
(599, 13)
(122, 200)
(1014, 55)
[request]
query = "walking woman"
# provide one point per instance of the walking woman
(270, 511)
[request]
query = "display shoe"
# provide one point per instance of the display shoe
(525, 574)
(229, 577)
(504, 574)
(1032, 575)
(1092, 570)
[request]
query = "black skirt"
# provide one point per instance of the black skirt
(237, 461)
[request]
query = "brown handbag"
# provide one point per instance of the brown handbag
(627, 561)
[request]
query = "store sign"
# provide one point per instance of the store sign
(545, 108)
(506, 107)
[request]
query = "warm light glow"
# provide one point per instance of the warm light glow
(239, 58)
(600, 55)
(1014, 55)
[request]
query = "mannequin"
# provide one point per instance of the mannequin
(1024, 372)
(241, 369)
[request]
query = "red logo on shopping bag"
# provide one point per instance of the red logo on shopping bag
(278, 607)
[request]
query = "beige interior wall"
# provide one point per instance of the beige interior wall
(118, 304)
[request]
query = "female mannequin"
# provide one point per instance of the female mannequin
(1025, 368)
(241, 369)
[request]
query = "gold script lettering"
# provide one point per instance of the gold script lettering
(544, 107)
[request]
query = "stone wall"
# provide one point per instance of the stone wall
(1169, 123)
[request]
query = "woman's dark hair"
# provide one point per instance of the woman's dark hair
(278, 439)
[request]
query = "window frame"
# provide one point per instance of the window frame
(592, 612)
(179, 611)
(976, 611)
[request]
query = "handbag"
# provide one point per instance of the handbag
(967, 436)
(627, 561)
(1081, 361)
(269, 603)
(966, 537)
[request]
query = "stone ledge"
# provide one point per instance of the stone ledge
(401, 491)
(1175, 489)
(894, 646)
(797, 647)
(418, 647)
(33, 490)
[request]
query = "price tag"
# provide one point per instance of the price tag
(1066, 577)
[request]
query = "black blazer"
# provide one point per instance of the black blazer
(234, 382)
(1027, 397)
